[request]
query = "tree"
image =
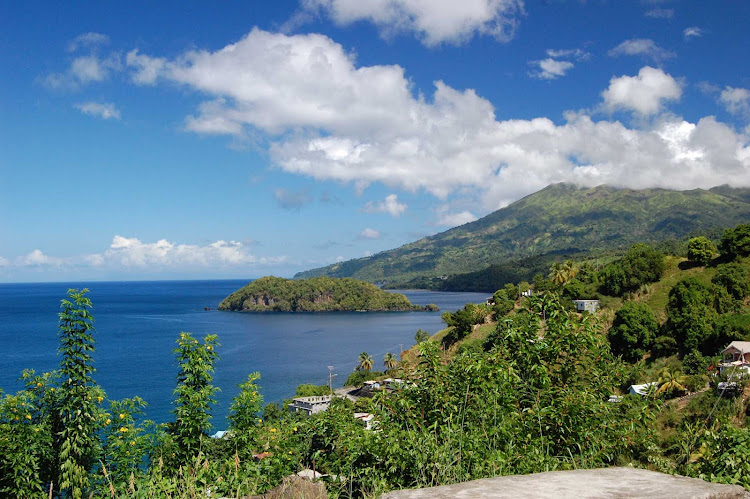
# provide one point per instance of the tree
(733, 278)
(389, 361)
(640, 265)
(690, 316)
(670, 381)
(701, 250)
(736, 242)
(79, 443)
(421, 336)
(633, 331)
(194, 393)
(365, 362)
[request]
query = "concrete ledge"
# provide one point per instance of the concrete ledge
(602, 483)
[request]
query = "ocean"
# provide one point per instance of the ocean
(137, 324)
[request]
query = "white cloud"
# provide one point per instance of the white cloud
(390, 205)
(369, 233)
(549, 68)
(328, 119)
(659, 13)
(644, 93)
(132, 252)
(104, 110)
(736, 100)
(643, 47)
(90, 39)
(146, 68)
(433, 21)
(4, 262)
(84, 70)
(577, 54)
(36, 258)
(455, 219)
(290, 200)
(692, 32)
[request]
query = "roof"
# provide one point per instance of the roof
(643, 389)
(742, 346)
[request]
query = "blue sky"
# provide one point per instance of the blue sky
(168, 140)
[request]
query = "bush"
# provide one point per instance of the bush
(700, 250)
(640, 265)
(633, 331)
(733, 278)
(736, 242)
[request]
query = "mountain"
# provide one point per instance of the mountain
(561, 219)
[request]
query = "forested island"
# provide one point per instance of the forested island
(318, 294)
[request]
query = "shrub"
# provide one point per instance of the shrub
(700, 250)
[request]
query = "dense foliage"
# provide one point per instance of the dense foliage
(640, 265)
(318, 294)
(633, 331)
(701, 250)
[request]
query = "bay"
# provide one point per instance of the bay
(137, 324)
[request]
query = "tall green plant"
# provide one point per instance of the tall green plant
(194, 393)
(79, 413)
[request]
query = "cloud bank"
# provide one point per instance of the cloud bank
(329, 119)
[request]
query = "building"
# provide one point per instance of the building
(644, 389)
(371, 386)
(590, 306)
(310, 405)
(368, 420)
(736, 359)
(393, 383)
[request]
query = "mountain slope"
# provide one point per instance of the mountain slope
(559, 219)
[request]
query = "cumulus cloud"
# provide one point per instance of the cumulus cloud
(290, 200)
(643, 47)
(692, 32)
(329, 119)
(369, 233)
(90, 39)
(104, 110)
(549, 69)
(432, 21)
(736, 100)
(37, 259)
(659, 13)
(454, 219)
(390, 205)
(644, 93)
(132, 252)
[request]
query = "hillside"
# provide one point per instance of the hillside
(561, 219)
(318, 294)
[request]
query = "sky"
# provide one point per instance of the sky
(202, 140)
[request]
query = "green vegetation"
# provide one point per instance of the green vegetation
(318, 294)
(559, 222)
(521, 386)
(701, 250)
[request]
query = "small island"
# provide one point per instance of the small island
(317, 294)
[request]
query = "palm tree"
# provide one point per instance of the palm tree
(671, 380)
(365, 362)
(389, 361)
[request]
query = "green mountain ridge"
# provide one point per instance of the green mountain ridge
(561, 219)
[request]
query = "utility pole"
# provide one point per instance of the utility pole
(330, 379)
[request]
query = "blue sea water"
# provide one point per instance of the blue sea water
(137, 324)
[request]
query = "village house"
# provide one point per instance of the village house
(310, 405)
(644, 389)
(736, 359)
(590, 306)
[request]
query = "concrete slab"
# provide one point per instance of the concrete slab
(603, 483)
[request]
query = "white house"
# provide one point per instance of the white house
(393, 383)
(367, 419)
(371, 385)
(310, 405)
(644, 389)
(590, 306)
(736, 359)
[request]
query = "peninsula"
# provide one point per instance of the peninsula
(317, 294)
